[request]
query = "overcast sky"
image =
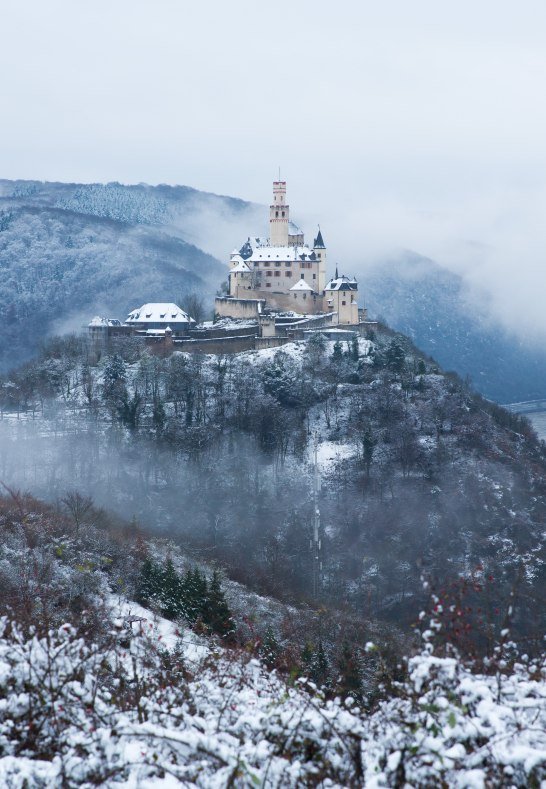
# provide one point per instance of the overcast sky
(415, 124)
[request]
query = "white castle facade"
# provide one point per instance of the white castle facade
(282, 273)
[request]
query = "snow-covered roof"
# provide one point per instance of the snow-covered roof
(281, 253)
(98, 321)
(342, 283)
(240, 268)
(159, 312)
(301, 284)
(294, 230)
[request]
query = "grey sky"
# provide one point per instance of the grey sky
(414, 124)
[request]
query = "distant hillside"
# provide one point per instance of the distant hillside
(69, 250)
(431, 305)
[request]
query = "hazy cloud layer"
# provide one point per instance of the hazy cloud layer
(414, 125)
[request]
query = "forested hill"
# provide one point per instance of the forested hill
(68, 251)
(420, 474)
(433, 306)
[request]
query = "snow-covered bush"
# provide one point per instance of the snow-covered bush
(73, 714)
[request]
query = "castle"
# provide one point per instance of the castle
(278, 286)
(282, 274)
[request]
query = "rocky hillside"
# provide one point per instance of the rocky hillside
(420, 475)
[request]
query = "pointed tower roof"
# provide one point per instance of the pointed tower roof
(319, 241)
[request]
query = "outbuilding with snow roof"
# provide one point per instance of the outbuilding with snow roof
(160, 315)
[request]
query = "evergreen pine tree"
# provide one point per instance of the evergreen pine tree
(217, 614)
(350, 675)
(149, 585)
(307, 658)
(337, 354)
(195, 595)
(319, 668)
(172, 592)
(270, 648)
(354, 349)
(158, 414)
(395, 357)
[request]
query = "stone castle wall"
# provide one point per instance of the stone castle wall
(227, 307)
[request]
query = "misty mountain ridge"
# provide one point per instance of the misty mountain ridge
(68, 251)
(436, 308)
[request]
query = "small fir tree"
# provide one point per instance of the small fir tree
(217, 614)
(172, 592)
(350, 675)
(150, 583)
(337, 354)
(354, 349)
(319, 668)
(270, 648)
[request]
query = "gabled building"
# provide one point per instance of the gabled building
(341, 296)
(158, 316)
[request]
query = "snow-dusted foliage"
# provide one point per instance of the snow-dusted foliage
(114, 201)
(74, 713)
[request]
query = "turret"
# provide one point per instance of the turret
(319, 248)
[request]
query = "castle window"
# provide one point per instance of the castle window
(278, 263)
(283, 213)
(288, 273)
(266, 263)
(277, 273)
(314, 276)
(256, 263)
(343, 303)
(269, 273)
(302, 276)
(268, 284)
(288, 263)
(276, 213)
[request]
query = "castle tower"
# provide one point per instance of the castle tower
(319, 248)
(279, 216)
